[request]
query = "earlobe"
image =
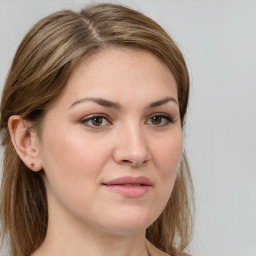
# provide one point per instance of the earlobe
(25, 142)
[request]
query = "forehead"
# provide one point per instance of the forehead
(120, 72)
(121, 58)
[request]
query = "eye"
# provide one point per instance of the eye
(159, 120)
(95, 121)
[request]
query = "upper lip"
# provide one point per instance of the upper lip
(141, 180)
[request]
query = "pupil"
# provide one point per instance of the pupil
(97, 121)
(156, 120)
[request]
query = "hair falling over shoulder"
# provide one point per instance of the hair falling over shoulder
(40, 70)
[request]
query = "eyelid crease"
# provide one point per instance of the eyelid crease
(160, 114)
(164, 115)
(95, 115)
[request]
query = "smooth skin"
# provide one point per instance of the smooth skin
(117, 116)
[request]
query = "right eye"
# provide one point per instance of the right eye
(95, 121)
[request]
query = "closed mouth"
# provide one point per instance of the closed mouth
(130, 187)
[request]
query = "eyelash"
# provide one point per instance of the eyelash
(167, 119)
(85, 121)
(90, 118)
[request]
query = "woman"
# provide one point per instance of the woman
(92, 114)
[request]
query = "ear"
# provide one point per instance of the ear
(25, 142)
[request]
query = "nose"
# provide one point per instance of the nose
(131, 147)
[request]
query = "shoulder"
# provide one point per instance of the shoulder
(181, 254)
(184, 254)
(156, 252)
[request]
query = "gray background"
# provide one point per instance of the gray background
(218, 39)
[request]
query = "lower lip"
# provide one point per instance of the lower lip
(129, 191)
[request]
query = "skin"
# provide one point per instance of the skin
(78, 154)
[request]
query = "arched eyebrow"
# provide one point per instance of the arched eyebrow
(99, 101)
(116, 105)
(161, 102)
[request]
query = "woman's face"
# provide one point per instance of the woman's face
(111, 143)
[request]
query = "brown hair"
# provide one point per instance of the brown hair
(40, 70)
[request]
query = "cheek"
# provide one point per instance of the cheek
(167, 157)
(72, 161)
(70, 171)
(167, 153)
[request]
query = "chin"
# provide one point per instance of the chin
(127, 229)
(130, 222)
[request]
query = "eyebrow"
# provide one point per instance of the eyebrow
(99, 101)
(116, 105)
(162, 102)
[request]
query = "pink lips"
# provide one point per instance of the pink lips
(132, 187)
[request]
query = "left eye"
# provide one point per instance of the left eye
(159, 120)
(95, 121)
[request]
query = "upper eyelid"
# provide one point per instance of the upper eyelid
(108, 119)
(167, 118)
(159, 114)
(88, 117)
(91, 116)
(163, 115)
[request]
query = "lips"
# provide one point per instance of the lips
(131, 187)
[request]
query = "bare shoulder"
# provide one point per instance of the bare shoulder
(156, 252)
(184, 254)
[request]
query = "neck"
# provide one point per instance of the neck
(70, 238)
(122, 246)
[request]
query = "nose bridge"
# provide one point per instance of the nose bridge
(136, 140)
(132, 145)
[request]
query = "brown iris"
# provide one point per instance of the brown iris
(156, 120)
(97, 121)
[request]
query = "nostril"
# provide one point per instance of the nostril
(131, 157)
(125, 161)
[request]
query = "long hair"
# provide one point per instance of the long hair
(40, 70)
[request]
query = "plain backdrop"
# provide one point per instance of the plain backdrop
(218, 39)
